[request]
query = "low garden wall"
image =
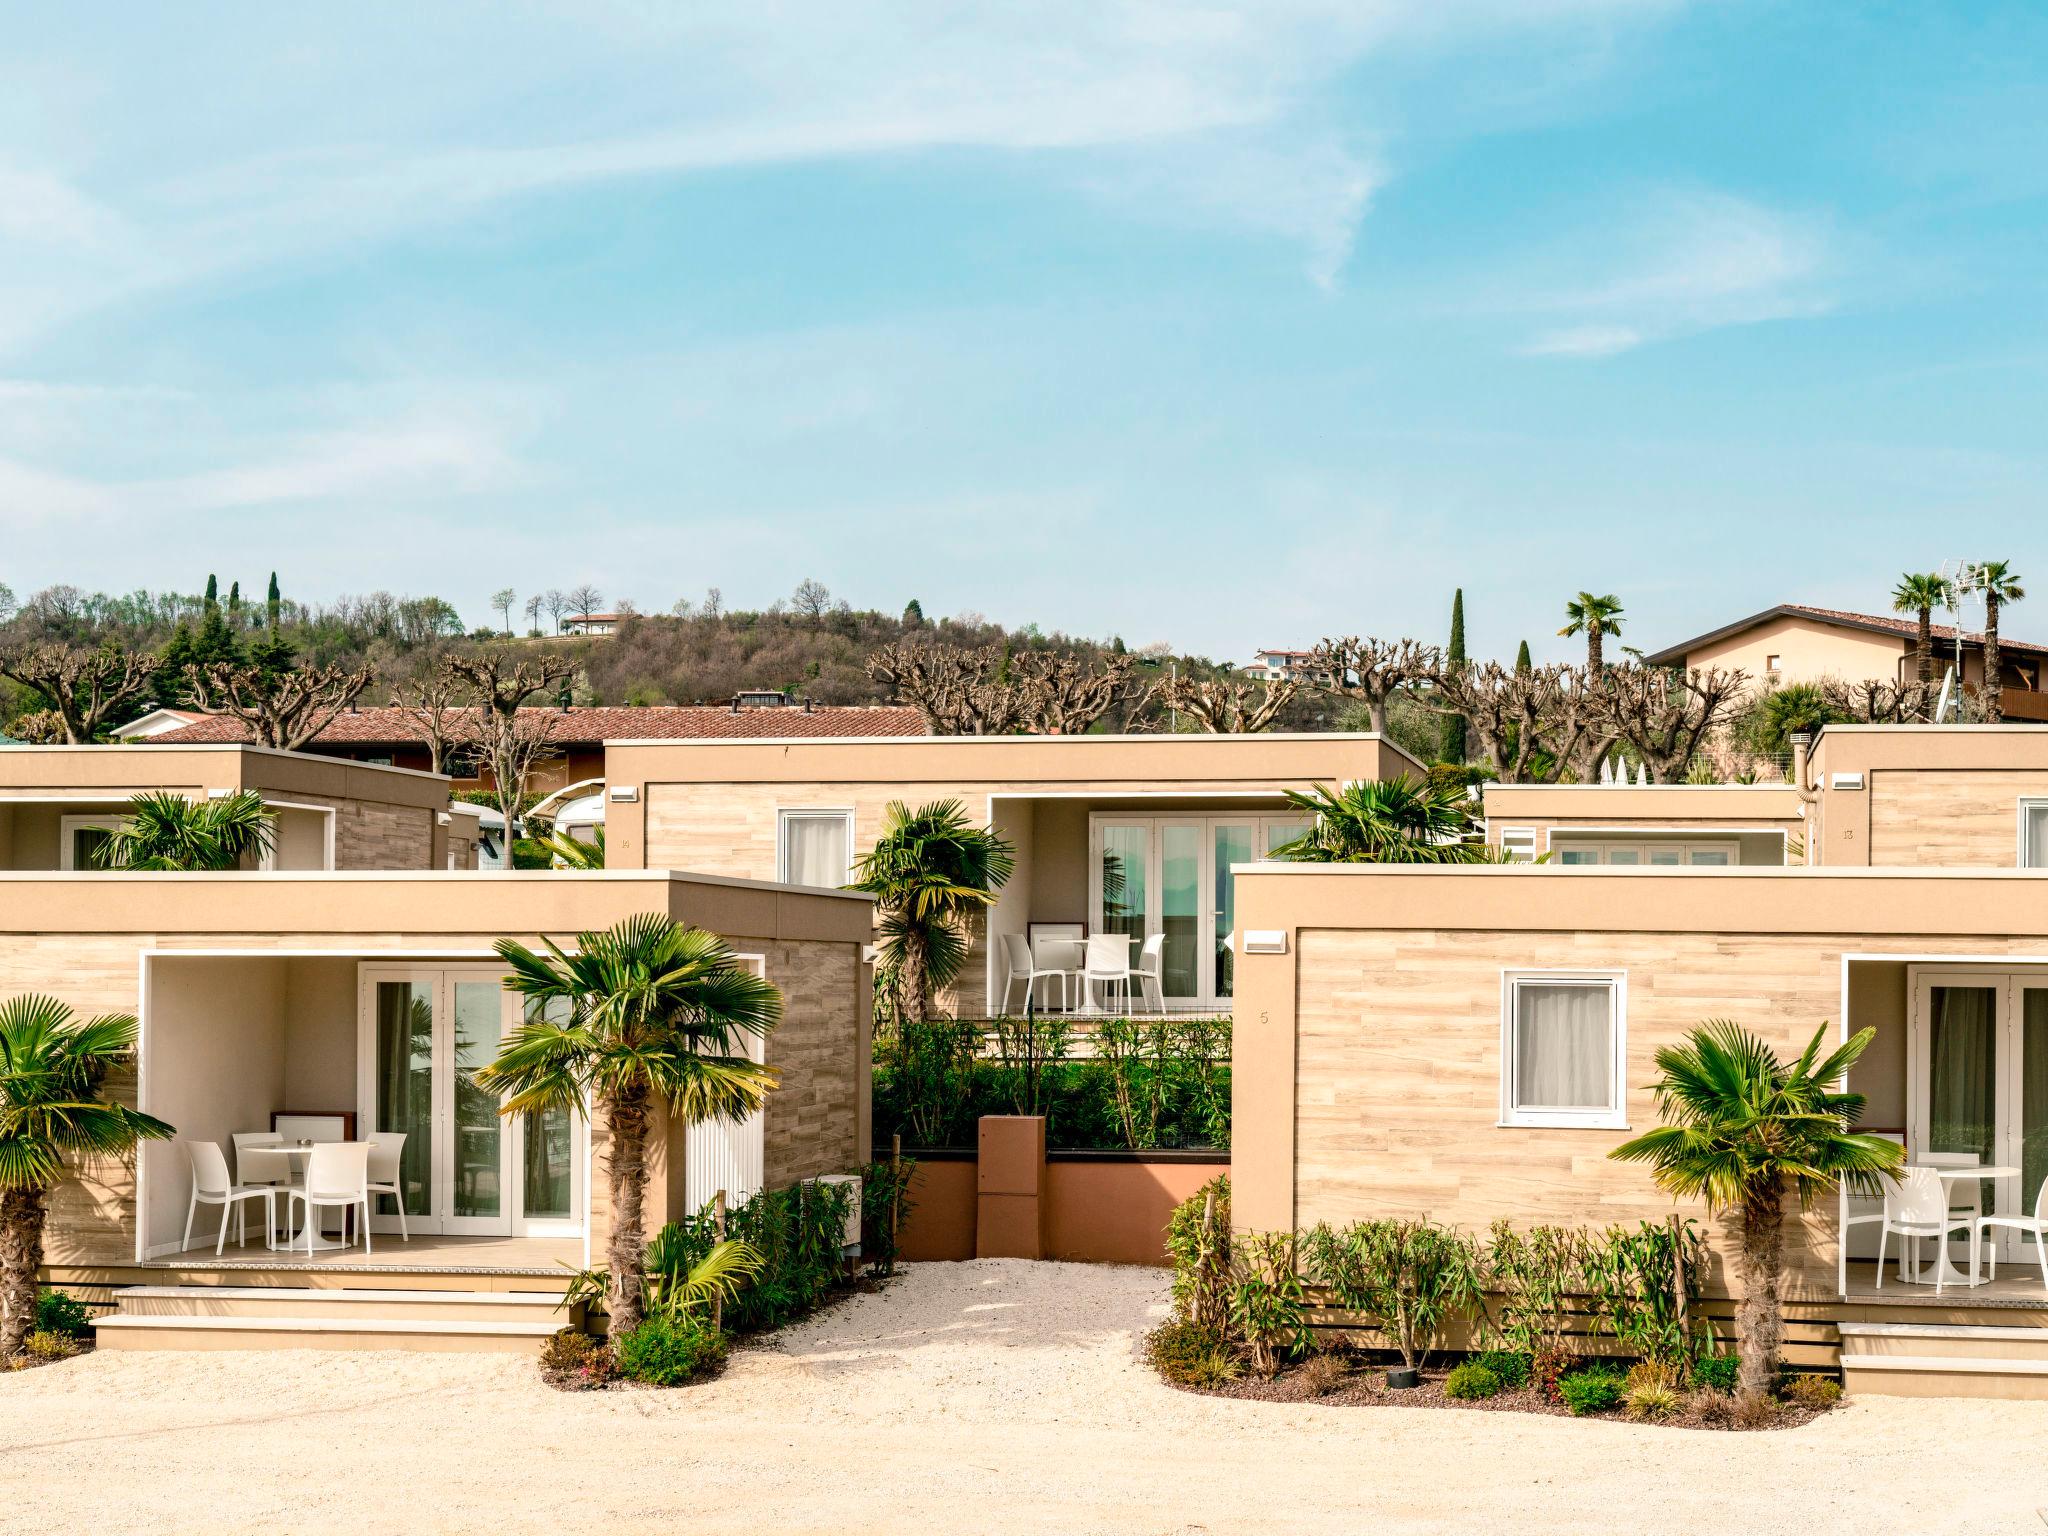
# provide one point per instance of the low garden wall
(1010, 1197)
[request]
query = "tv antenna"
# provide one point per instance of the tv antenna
(1959, 578)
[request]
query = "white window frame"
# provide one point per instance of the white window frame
(1519, 844)
(2027, 803)
(783, 816)
(268, 861)
(1606, 847)
(1612, 1118)
(68, 825)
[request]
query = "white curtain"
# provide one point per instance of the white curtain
(2037, 837)
(817, 850)
(1563, 1046)
(1962, 1071)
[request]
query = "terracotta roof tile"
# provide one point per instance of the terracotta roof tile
(591, 724)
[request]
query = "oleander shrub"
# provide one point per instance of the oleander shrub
(1593, 1389)
(884, 1203)
(1510, 1365)
(61, 1312)
(1813, 1391)
(1190, 1355)
(668, 1352)
(1471, 1382)
(1324, 1374)
(1716, 1371)
(1198, 1243)
(1268, 1304)
(1409, 1279)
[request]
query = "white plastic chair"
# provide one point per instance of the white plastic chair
(1919, 1208)
(2037, 1224)
(212, 1186)
(387, 1148)
(337, 1175)
(1024, 967)
(1109, 962)
(1148, 972)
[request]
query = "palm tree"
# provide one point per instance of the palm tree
(1921, 595)
(930, 871)
(569, 852)
(652, 1015)
(167, 831)
(1595, 618)
(2000, 585)
(51, 1069)
(1384, 821)
(1742, 1126)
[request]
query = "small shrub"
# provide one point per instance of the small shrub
(1713, 1407)
(1593, 1390)
(1547, 1365)
(1180, 1351)
(1813, 1391)
(1268, 1307)
(664, 1352)
(61, 1312)
(1510, 1365)
(1716, 1371)
(1756, 1411)
(1324, 1374)
(1651, 1390)
(573, 1360)
(1471, 1382)
(1198, 1242)
(45, 1347)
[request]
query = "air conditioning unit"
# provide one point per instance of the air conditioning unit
(851, 1182)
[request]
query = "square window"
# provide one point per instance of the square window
(814, 848)
(1562, 1049)
(1519, 844)
(1771, 663)
(2034, 834)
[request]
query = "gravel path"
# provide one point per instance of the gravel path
(986, 1397)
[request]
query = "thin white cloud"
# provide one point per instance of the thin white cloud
(1687, 262)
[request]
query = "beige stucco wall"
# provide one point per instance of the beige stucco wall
(1931, 797)
(1367, 1059)
(1808, 650)
(1615, 811)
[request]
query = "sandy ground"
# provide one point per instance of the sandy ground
(985, 1397)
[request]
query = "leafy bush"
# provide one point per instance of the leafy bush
(1716, 1371)
(1536, 1274)
(61, 1312)
(1632, 1296)
(1408, 1277)
(1813, 1391)
(1511, 1366)
(1198, 1242)
(1549, 1364)
(799, 1233)
(1471, 1382)
(573, 1360)
(1592, 1390)
(1268, 1308)
(667, 1352)
(884, 1202)
(1651, 1390)
(1190, 1355)
(1714, 1407)
(1324, 1374)
(44, 1346)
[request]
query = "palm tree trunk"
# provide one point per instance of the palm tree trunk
(625, 1116)
(1596, 656)
(1759, 1316)
(914, 980)
(21, 1255)
(1994, 687)
(1926, 644)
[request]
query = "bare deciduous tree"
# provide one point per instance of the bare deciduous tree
(1503, 709)
(513, 741)
(583, 600)
(556, 603)
(1228, 706)
(1373, 671)
(1882, 700)
(811, 599)
(1666, 714)
(89, 688)
(959, 691)
(1064, 695)
(434, 704)
(283, 709)
(502, 600)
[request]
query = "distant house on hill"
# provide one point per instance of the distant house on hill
(592, 623)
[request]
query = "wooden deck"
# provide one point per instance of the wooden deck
(432, 1253)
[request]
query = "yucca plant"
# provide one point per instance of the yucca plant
(1744, 1129)
(930, 871)
(52, 1066)
(165, 831)
(656, 1016)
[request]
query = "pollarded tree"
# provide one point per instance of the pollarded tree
(931, 872)
(511, 739)
(960, 691)
(1373, 671)
(1228, 706)
(1881, 700)
(90, 689)
(1743, 1131)
(53, 1070)
(283, 707)
(1666, 714)
(646, 1015)
(1065, 695)
(1500, 709)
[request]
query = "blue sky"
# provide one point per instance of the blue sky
(1227, 325)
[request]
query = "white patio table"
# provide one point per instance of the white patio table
(297, 1154)
(1942, 1268)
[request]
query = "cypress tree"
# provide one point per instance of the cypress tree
(273, 602)
(913, 614)
(1453, 750)
(212, 590)
(235, 599)
(1522, 663)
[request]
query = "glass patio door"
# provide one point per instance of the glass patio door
(2030, 1101)
(1230, 842)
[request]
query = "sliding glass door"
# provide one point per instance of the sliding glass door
(424, 1034)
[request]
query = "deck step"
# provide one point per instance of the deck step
(280, 1317)
(1945, 1360)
